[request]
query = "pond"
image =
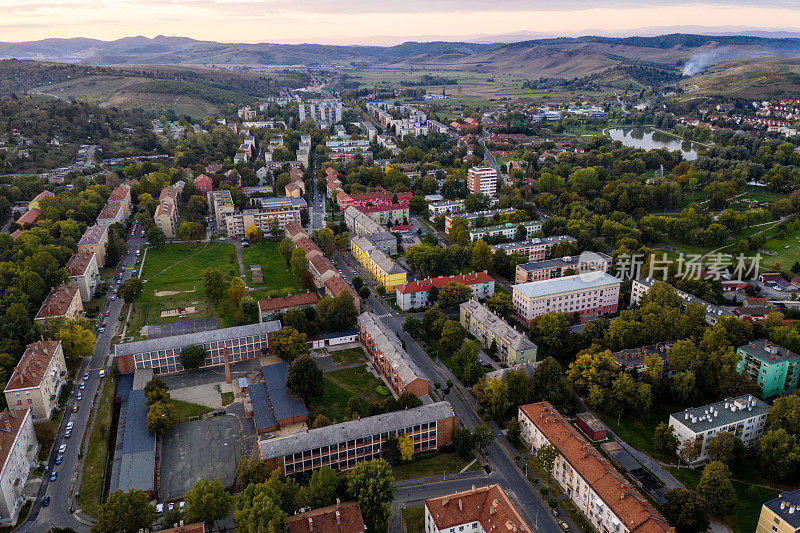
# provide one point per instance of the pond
(651, 140)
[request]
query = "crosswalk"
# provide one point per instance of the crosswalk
(385, 315)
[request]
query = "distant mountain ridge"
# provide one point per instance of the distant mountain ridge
(559, 56)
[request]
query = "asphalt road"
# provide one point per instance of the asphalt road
(62, 490)
(316, 207)
(504, 470)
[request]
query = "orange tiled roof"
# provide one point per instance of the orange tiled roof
(336, 285)
(29, 217)
(307, 245)
(78, 263)
(292, 300)
(293, 228)
(444, 281)
(321, 264)
(120, 193)
(42, 195)
(340, 518)
(110, 211)
(622, 498)
(10, 424)
(488, 505)
(33, 364)
(58, 301)
(93, 235)
(164, 208)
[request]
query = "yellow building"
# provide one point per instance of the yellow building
(382, 267)
(781, 515)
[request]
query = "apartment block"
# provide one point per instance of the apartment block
(608, 500)
(336, 286)
(360, 224)
(112, 213)
(387, 215)
(18, 453)
(204, 184)
(743, 417)
(513, 347)
(378, 197)
(472, 219)
(561, 266)
(343, 446)
(122, 196)
(485, 509)
(322, 270)
(445, 207)
(414, 294)
(589, 294)
(388, 357)
(164, 355)
(772, 368)
(84, 273)
(324, 112)
(536, 249)
(482, 180)
(781, 515)
(382, 267)
(508, 230)
(95, 239)
(37, 380)
(166, 218)
(282, 209)
(640, 287)
(220, 204)
(63, 301)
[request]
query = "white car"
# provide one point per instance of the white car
(103, 373)
(160, 508)
(182, 506)
(62, 448)
(69, 425)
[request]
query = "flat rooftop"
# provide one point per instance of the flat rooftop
(547, 287)
(729, 411)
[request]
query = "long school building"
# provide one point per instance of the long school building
(343, 446)
(164, 355)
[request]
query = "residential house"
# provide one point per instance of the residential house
(512, 347)
(383, 268)
(122, 196)
(414, 294)
(63, 301)
(84, 273)
(272, 306)
(37, 380)
(95, 239)
(166, 218)
(562, 266)
(340, 518)
(112, 213)
(334, 286)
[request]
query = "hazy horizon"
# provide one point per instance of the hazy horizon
(380, 22)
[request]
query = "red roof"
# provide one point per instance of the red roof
(488, 505)
(78, 263)
(10, 424)
(340, 518)
(204, 182)
(110, 211)
(29, 217)
(15, 234)
(93, 235)
(33, 364)
(440, 283)
(58, 301)
(120, 194)
(283, 302)
(382, 208)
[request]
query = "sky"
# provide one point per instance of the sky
(375, 21)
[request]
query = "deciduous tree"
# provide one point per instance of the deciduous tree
(288, 344)
(193, 357)
(406, 447)
(236, 290)
(125, 512)
(686, 511)
(716, 488)
(208, 501)
(453, 295)
(371, 484)
(213, 284)
(131, 289)
(305, 378)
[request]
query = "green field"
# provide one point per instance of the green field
(787, 250)
(433, 464)
(348, 357)
(172, 278)
(279, 280)
(340, 386)
(638, 430)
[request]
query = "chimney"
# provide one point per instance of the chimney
(338, 517)
(311, 524)
(460, 506)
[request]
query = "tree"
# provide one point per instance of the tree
(160, 417)
(186, 230)
(305, 378)
(323, 487)
(725, 448)
(483, 436)
(249, 308)
(236, 290)
(258, 510)
(785, 413)
(686, 511)
(154, 386)
(481, 256)
(252, 471)
(193, 357)
(546, 456)
(548, 382)
(497, 394)
(514, 431)
(406, 447)
(778, 453)
(320, 422)
(364, 292)
(664, 439)
(453, 295)
(690, 449)
(433, 321)
(371, 484)
(453, 334)
(131, 289)
(463, 442)
(298, 262)
(208, 501)
(285, 248)
(156, 237)
(716, 488)
(213, 284)
(253, 234)
(413, 326)
(288, 344)
(500, 303)
(77, 339)
(408, 400)
(358, 282)
(125, 512)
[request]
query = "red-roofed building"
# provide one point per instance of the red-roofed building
(198, 527)
(378, 197)
(15, 234)
(122, 196)
(414, 294)
(112, 213)
(18, 452)
(35, 203)
(267, 308)
(84, 273)
(340, 518)
(37, 380)
(607, 499)
(486, 507)
(63, 301)
(204, 184)
(336, 285)
(321, 269)
(29, 218)
(95, 239)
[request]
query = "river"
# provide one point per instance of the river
(649, 139)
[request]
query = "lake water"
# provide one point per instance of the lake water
(650, 140)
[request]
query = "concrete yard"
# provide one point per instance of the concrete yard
(205, 449)
(157, 331)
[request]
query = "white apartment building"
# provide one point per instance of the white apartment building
(37, 380)
(18, 452)
(743, 417)
(414, 294)
(84, 273)
(220, 203)
(609, 502)
(481, 509)
(284, 209)
(482, 180)
(507, 230)
(324, 112)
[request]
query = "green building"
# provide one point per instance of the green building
(772, 368)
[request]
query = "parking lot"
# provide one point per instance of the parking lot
(205, 449)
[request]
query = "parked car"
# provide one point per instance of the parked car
(102, 330)
(86, 374)
(46, 501)
(70, 424)
(62, 448)
(75, 408)
(59, 459)
(83, 385)
(68, 434)
(563, 525)
(160, 508)
(103, 372)
(53, 476)
(79, 397)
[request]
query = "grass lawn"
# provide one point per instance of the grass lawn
(279, 279)
(787, 256)
(187, 411)
(414, 519)
(349, 356)
(432, 464)
(227, 398)
(91, 488)
(340, 386)
(638, 431)
(749, 499)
